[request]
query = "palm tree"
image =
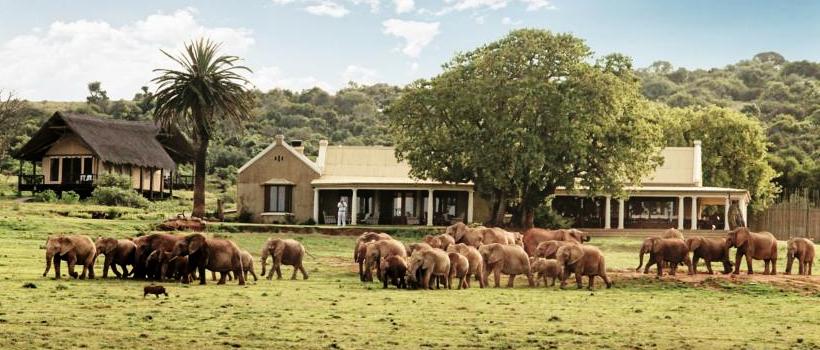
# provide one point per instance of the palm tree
(206, 92)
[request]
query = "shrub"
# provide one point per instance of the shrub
(309, 222)
(118, 197)
(47, 196)
(70, 197)
(244, 216)
(547, 217)
(114, 180)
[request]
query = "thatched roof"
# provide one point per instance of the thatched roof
(114, 141)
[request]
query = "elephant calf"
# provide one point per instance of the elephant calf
(476, 268)
(117, 252)
(283, 252)
(710, 249)
(582, 260)
(392, 269)
(803, 250)
(426, 264)
(459, 267)
(545, 268)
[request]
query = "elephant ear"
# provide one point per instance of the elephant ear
(66, 245)
(653, 244)
(694, 243)
(196, 243)
(575, 253)
(496, 255)
(550, 249)
(741, 236)
(278, 248)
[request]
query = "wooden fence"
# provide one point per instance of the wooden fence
(794, 215)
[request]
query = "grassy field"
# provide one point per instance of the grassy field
(333, 310)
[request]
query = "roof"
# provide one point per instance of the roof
(636, 191)
(279, 141)
(278, 181)
(113, 141)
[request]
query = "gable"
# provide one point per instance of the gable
(69, 144)
(678, 167)
(280, 163)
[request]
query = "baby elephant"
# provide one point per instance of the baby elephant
(283, 252)
(803, 250)
(392, 270)
(544, 268)
(155, 290)
(710, 249)
(459, 268)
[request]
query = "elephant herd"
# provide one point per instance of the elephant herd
(670, 249)
(463, 253)
(162, 256)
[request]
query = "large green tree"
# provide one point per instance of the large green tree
(207, 92)
(524, 115)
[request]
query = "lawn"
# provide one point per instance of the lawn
(334, 310)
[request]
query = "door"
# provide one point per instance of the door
(71, 170)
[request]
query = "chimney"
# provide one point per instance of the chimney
(697, 166)
(320, 160)
(280, 139)
(297, 146)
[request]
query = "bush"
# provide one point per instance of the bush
(118, 197)
(114, 180)
(547, 217)
(47, 196)
(244, 216)
(309, 222)
(70, 197)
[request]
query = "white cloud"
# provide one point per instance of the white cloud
(414, 66)
(477, 5)
(403, 6)
(271, 77)
(479, 19)
(510, 22)
(360, 75)
(374, 4)
(327, 8)
(535, 5)
(57, 62)
(417, 35)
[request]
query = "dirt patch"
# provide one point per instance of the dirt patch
(808, 285)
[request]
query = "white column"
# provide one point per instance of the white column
(620, 214)
(469, 206)
(316, 205)
(726, 213)
(680, 212)
(430, 207)
(608, 213)
(354, 208)
(694, 217)
(744, 209)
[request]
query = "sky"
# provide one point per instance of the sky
(50, 50)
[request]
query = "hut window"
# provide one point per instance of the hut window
(54, 171)
(278, 198)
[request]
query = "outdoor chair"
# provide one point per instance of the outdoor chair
(329, 219)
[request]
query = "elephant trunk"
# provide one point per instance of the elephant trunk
(264, 260)
(49, 256)
(586, 238)
(640, 259)
(789, 261)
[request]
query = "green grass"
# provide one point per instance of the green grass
(333, 309)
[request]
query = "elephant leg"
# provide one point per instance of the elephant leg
(766, 266)
(279, 272)
(56, 267)
(673, 269)
(774, 266)
(222, 277)
(106, 265)
(497, 276)
(116, 273)
(606, 280)
(425, 280)
(708, 266)
(750, 271)
(738, 261)
(293, 275)
(660, 267)
(695, 258)
(48, 265)
(591, 285)
(304, 272)
(254, 275)
(578, 280)
(511, 281)
(71, 262)
(384, 283)
(270, 273)
(202, 277)
(531, 279)
(689, 265)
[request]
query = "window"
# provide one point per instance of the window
(54, 170)
(278, 198)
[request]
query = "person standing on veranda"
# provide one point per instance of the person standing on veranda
(342, 217)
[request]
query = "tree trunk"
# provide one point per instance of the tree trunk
(200, 170)
(500, 208)
(527, 217)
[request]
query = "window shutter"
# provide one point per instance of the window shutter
(267, 198)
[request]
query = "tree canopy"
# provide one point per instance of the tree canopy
(526, 114)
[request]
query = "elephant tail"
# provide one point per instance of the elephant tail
(308, 253)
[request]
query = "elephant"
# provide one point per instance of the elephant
(710, 249)
(414, 247)
(476, 236)
(154, 265)
(669, 250)
(582, 260)
(75, 249)
(459, 267)
(801, 249)
(145, 245)
(393, 269)
(283, 252)
(426, 264)
(545, 268)
(358, 251)
(177, 267)
(754, 245)
(441, 241)
(534, 236)
(475, 260)
(508, 259)
(214, 254)
(247, 265)
(547, 249)
(117, 252)
(672, 233)
(377, 249)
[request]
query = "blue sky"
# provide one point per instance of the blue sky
(51, 49)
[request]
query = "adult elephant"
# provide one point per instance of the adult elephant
(669, 250)
(376, 250)
(74, 249)
(710, 249)
(117, 252)
(428, 263)
(145, 245)
(534, 236)
(508, 259)
(475, 236)
(215, 254)
(753, 245)
(548, 249)
(283, 252)
(363, 239)
(803, 250)
(582, 260)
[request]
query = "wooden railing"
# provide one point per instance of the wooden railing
(30, 179)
